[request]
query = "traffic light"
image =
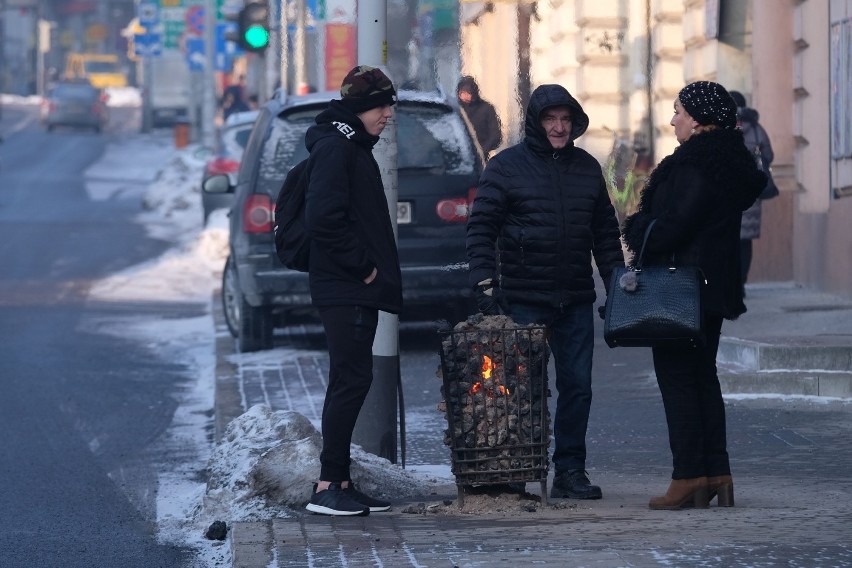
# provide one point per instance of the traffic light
(252, 26)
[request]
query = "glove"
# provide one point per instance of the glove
(602, 311)
(488, 299)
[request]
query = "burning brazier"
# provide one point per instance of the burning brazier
(495, 402)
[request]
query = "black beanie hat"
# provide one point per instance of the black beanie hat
(365, 88)
(709, 103)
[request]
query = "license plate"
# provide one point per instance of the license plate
(403, 213)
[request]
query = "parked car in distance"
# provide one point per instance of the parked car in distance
(438, 170)
(230, 145)
(76, 104)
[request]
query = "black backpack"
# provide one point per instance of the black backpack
(291, 239)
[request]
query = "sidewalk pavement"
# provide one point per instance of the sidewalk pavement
(791, 341)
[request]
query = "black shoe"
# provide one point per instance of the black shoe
(375, 505)
(575, 484)
(334, 501)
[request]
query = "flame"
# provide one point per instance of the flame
(488, 367)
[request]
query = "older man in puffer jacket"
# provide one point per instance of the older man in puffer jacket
(544, 204)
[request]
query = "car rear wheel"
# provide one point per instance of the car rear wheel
(252, 326)
(231, 298)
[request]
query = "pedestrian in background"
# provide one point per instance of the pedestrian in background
(481, 115)
(757, 141)
(353, 270)
(544, 204)
(697, 196)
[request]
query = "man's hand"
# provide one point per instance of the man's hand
(488, 299)
(369, 279)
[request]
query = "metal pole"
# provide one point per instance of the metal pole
(2, 51)
(283, 39)
(208, 101)
(300, 51)
(375, 430)
(147, 79)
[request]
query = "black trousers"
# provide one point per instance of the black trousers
(695, 411)
(350, 331)
(746, 252)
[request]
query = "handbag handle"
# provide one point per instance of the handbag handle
(638, 266)
(672, 265)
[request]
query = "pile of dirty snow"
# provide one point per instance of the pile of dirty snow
(267, 462)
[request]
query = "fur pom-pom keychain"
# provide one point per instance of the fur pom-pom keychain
(628, 281)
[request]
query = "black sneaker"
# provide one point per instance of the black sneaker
(375, 505)
(335, 501)
(575, 484)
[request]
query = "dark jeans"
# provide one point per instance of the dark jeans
(571, 339)
(695, 411)
(350, 331)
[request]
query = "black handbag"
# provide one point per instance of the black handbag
(650, 306)
(771, 190)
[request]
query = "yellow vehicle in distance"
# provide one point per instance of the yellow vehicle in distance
(101, 70)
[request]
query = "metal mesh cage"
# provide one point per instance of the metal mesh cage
(495, 390)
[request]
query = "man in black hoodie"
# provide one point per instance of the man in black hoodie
(481, 114)
(545, 205)
(353, 270)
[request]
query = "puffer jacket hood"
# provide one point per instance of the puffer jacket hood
(747, 114)
(469, 83)
(546, 96)
(337, 120)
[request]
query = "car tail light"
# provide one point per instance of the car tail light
(452, 210)
(222, 166)
(455, 210)
(257, 214)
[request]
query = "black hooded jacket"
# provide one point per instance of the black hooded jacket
(548, 211)
(482, 116)
(697, 195)
(347, 217)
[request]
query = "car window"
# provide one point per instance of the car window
(234, 140)
(101, 67)
(442, 144)
(287, 150)
(73, 91)
(256, 143)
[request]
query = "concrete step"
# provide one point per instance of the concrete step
(812, 383)
(818, 365)
(789, 353)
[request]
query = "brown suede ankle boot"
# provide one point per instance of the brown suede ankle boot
(723, 487)
(683, 493)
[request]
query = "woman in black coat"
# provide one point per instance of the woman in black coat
(697, 196)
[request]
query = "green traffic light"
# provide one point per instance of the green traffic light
(257, 37)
